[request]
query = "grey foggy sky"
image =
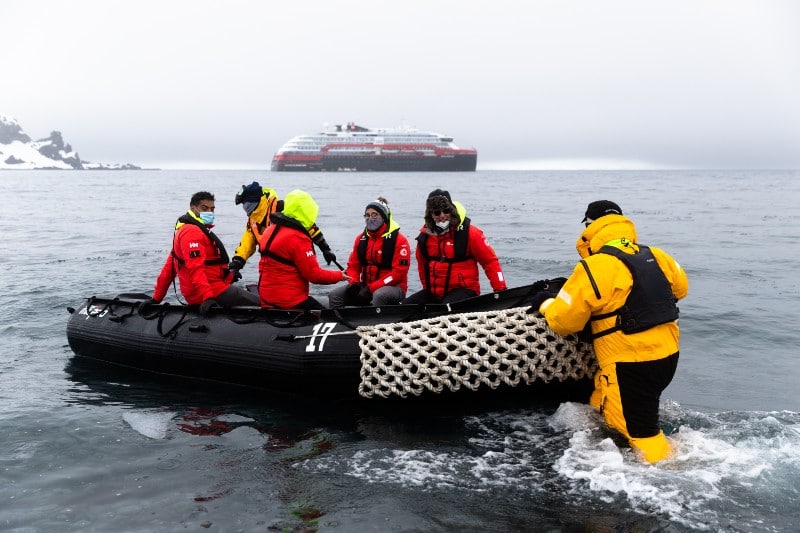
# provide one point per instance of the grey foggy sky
(538, 84)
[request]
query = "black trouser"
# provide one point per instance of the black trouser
(235, 295)
(640, 388)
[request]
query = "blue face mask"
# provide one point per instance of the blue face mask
(207, 217)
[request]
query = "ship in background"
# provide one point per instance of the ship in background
(352, 147)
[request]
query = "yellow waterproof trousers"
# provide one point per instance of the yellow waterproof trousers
(631, 407)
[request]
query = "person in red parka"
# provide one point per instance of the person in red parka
(449, 250)
(288, 262)
(200, 261)
(378, 265)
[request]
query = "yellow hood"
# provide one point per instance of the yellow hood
(603, 230)
(300, 206)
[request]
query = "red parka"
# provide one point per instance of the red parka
(288, 262)
(201, 267)
(374, 273)
(443, 272)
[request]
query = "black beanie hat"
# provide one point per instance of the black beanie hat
(250, 193)
(600, 208)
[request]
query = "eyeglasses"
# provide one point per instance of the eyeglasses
(442, 212)
(372, 215)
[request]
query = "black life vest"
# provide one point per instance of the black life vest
(223, 254)
(460, 240)
(650, 302)
(387, 252)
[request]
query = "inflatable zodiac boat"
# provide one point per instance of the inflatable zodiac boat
(486, 342)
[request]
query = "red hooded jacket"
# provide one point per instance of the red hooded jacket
(448, 275)
(376, 276)
(199, 264)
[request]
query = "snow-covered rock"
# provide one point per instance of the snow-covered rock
(19, 152)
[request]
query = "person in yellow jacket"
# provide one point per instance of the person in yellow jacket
(259, 203)
(627, 293)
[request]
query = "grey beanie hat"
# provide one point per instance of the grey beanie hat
(381, 206)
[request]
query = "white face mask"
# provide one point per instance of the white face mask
(443, 225)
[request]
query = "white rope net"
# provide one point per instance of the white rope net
(467, 350)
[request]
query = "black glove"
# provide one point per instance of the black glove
(151, 301)
(351, 294)
(538, 299)
(322, 244)
(364, 295)
(237, 263)
(206, 306)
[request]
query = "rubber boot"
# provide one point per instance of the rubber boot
(652, 449)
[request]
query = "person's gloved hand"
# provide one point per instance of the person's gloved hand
(323, 245)
(539, 298)
(329, 256)
(206, 306)
(151, 301)
(236, 264)
(351, 294)
(364, 295)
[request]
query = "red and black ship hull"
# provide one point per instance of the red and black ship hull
(464, 162)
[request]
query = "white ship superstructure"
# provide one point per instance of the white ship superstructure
(353, 147)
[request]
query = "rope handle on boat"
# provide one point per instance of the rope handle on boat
(121, 318)
(160, 309)
(109, 306)
(161, 313)
(174, 329)
(90, 304)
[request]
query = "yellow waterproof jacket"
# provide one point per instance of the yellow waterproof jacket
(257, 222)
(577, 300)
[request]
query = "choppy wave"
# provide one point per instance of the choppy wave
(87, 450)
(727, 468)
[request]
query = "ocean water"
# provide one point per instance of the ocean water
(88, 448)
